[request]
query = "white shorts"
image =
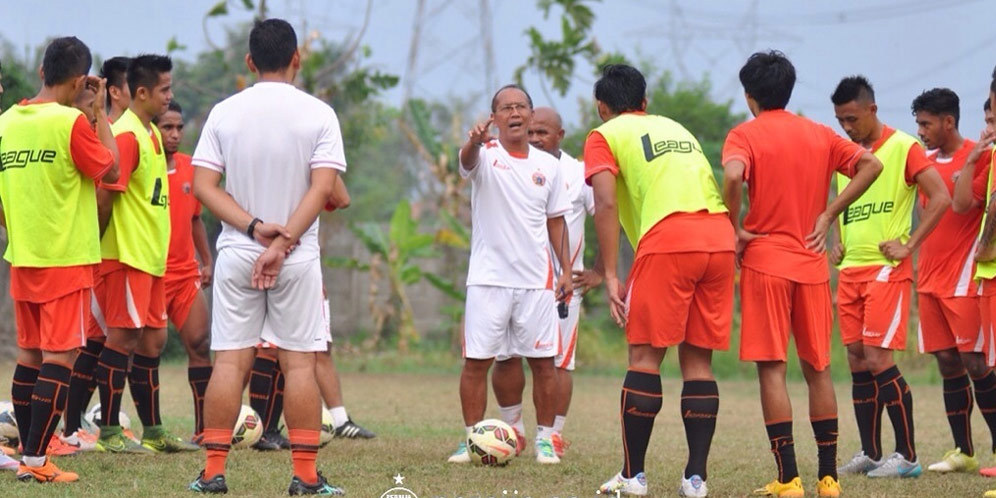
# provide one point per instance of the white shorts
(327, 317)
(288, 316)
(569, 335)
(516, 322)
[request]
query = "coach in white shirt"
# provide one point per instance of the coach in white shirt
(518, 203)
(280, 151)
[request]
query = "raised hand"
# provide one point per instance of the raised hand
(481, 133)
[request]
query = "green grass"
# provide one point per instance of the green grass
(417, 418)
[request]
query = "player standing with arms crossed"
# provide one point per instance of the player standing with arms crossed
(49, 160)
(518, 203)
(787, 162)
(280, 151)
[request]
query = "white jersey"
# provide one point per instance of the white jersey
(582, 199)
(511, 199)
(266, 140)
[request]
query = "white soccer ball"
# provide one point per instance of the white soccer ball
(248, 428)
(328, 428)
(8, 425)
(491, 442)
(93, 416)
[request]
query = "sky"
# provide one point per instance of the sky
(903, 46)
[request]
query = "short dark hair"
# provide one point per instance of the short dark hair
(115, 70)
(272, 44)
(992, 85)
(494, 98)
(987, 106)
(144, 71)
(939, 102)
(65, 58)
(768, 78)
(173, 106)
(853, 88)
(622, 88)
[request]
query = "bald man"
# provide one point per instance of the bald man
(545, 133)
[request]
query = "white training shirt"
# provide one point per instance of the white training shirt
(582, 199)
(511, 199)
(266, 140)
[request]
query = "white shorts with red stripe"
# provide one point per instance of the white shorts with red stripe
(569, 335)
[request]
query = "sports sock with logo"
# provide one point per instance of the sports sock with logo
(895, 395)
(198, 378)
(112, 371)
(275, 406)
(304, 452)
(783, 447)
(867, 413)
(260, 387)
(825, 432)
(958, 405)
(640, 402)
(143, 380)
(217, 443)
(699, 408)
(985, 396)
(81, 385)
(20, 396)
(48, 400)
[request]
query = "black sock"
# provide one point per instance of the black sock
(276, 407)
(79, 385)
(260, 385)
(895, 395)
(699, 407)
(198, 378)
(640, 402)
(112, 371)
(985, 396)
(20, 396)
(958, 405)
(783, 447)
(143, 380)
(825, 432)
(48, 400)
(867, 413)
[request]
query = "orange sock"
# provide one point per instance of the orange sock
(217, 442)
(304, 452)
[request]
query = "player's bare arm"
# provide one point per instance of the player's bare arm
(607, 227)
(207, 189)
(589, 278)
(733, 191)
(867, 170)
(104, 133)
(203, 250)
(987, 248)
(340, 196)
(930, 183)
(963, 201)
(264, 274)
(557, 232)
(476, 138)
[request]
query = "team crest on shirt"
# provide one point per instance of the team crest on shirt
(539, 179)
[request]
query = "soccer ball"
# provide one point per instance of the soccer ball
(8, 424)
(491, 442)
(248, 428)
(93, 416)
(328, 428)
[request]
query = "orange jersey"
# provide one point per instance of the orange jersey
(916, 162)
(183, 207)
(790, 161)
(946, 260)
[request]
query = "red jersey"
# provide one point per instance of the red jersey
(183, 207)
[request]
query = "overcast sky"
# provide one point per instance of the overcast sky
(902, 46)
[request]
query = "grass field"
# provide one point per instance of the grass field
(418, 422)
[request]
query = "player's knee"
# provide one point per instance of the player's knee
(976, 365)
(856, 356)
(949, 363)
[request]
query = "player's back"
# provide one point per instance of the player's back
(790, 161)
(268, 138)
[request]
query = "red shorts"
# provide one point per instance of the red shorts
(133, 299)
(874, 313)
(681, 297)
(987, 312)
(773, 307)
(96, 326)
(949, 322)
(57, 325)
(180, 296)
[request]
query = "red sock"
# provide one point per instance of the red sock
(217, 442)
(304, 452)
